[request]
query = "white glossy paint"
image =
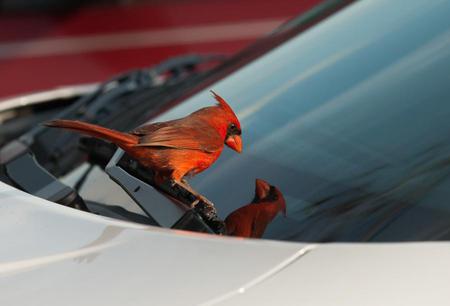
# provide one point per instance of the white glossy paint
(359, 274)
(53, 255)
(63, 92)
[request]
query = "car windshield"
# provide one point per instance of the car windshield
(350, 121)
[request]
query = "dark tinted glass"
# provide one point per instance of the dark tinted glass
(351, 121)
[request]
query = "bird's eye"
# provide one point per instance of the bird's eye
(233, 129)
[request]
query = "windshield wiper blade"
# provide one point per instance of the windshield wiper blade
(121, 103)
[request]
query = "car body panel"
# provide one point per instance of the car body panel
(358, 274)
(51, 253)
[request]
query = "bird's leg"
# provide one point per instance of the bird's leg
(195, 193)
(204, 208)
(184, 184)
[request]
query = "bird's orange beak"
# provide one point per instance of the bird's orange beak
(234, 142)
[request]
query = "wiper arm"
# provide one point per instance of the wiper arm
(138, 182)
(26, 173)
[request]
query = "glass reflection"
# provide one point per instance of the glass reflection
(345, 119)
(251, 220)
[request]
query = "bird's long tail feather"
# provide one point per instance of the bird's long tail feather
(94, 130)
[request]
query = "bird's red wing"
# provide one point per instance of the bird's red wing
(152, 127)
(200, 137)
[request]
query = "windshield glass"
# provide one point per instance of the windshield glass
(350, 121)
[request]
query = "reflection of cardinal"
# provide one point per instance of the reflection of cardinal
(176, 148)
(252, 219)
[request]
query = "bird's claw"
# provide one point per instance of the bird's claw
(201, 199)
(206, 201)
(193, 204)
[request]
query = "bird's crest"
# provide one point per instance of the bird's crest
(221, 101)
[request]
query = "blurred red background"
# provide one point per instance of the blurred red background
(43, 46)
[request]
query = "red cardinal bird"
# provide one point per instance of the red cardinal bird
(177, 148)
(251, 220)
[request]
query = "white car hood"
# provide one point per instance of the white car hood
(53, 255)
